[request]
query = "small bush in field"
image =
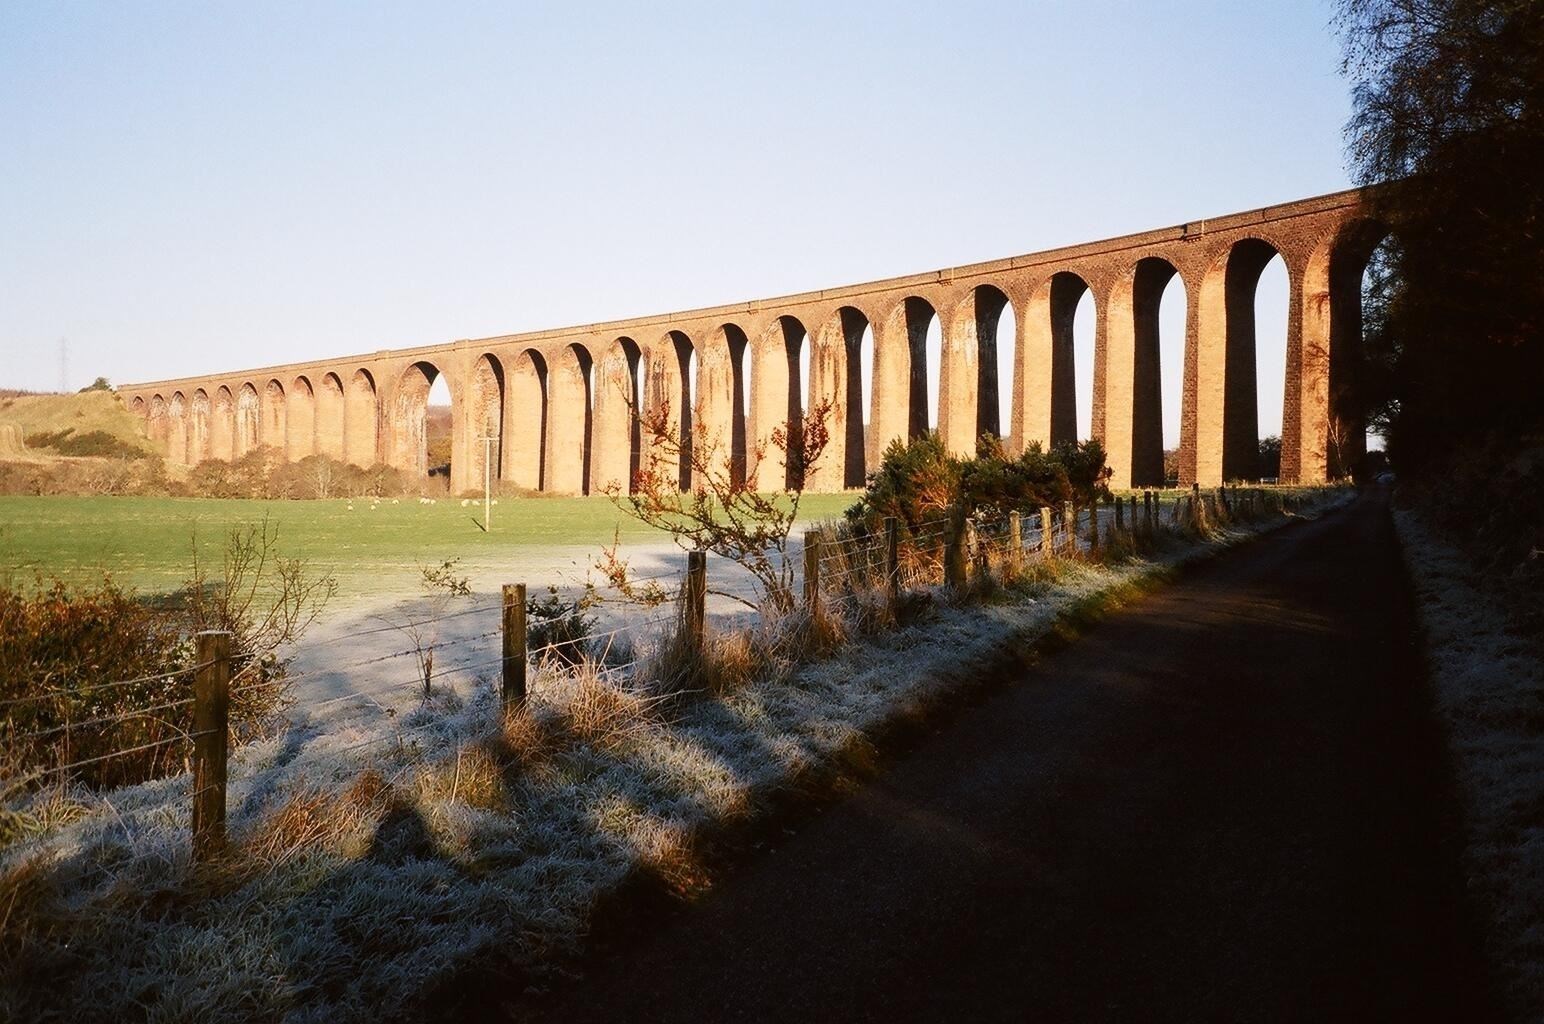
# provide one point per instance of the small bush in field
(558, 627)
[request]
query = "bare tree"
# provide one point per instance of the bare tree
(722, 513)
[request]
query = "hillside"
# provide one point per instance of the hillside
(55, 418)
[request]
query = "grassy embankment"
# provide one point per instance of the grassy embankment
(90, 412)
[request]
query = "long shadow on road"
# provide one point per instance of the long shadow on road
(1227, 803)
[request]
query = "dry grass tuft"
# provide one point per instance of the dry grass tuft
(28, 898)
(472, 777)
(41, 813)
(724, 662)
(522, 738)
(311, 818)
(594, 711)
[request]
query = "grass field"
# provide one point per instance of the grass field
(148, 542)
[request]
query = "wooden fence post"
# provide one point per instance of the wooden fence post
(1015, 543)
(812, 570)
(1120, 515)
(954, 550)
(1070, 526)
(1045, 533)
(211, 740)
(695, 613)
(513, 628)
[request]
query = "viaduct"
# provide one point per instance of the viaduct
(561, 402)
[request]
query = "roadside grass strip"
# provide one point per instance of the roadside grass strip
(1489, 690)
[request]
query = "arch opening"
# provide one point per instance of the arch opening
(857, 386)
(177, 428)
(526, 420)
(421, 425)
(273, 430)
(1085, 319)
(222, 425)
(924, 344)
(301, 415)
(361, 420)
(486, 408)
(988, 303)
(1359, 285)
(569, 422)
(248, 420)
(615, 431)
(796, 346)
(156, 421)
(1067, 291)
(682, 371)
(329, 417)
(1005, 342)
(1157, 382)
(737, 349)
(198, 427)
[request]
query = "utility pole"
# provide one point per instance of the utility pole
(488, 442)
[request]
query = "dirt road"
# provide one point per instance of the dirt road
(1227, 803)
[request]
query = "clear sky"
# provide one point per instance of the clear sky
(193, 187)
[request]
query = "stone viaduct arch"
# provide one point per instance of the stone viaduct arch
(564, 404)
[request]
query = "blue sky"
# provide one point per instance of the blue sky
(190, 187)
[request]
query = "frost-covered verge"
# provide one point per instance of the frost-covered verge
(1489, 688)
(365, 881)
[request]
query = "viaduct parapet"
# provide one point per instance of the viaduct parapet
(561, 402)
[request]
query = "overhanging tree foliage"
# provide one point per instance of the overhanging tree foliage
(1449, 124)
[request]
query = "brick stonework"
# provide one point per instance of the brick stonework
(559, 401)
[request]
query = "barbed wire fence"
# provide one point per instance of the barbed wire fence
(185, 719)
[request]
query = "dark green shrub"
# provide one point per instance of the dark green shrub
(919, 482)
(557, 627)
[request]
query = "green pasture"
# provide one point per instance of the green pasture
(148, 543)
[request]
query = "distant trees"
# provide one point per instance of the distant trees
(1269, 466)
(100, 384)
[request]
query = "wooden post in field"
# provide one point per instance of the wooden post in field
(1045, 533)
(513, 626)
(893, 558)
(1015, 543)
(211, 740)
(695, 614)
(1070, 526)
(1093, 526)
(1120, 515)
(812, 570)
(488, 483)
